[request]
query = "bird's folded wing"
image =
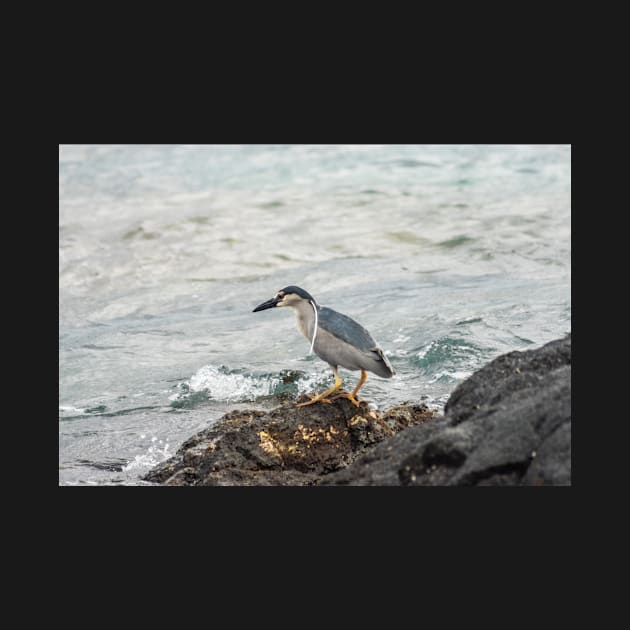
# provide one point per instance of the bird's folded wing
(345, 328)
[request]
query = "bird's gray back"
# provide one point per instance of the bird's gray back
(345, 328)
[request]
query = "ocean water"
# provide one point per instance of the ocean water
(449, 255)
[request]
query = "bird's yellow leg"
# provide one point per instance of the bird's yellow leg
(323, 396)
(352, 395)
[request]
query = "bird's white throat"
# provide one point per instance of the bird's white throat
(307, 320)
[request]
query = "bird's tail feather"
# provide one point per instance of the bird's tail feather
(385, 361)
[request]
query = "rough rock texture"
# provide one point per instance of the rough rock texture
(508, 424)
(284, 446)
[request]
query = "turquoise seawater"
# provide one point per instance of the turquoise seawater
(449, 255)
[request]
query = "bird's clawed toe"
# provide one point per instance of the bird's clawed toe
(313, 400)
(349, 396)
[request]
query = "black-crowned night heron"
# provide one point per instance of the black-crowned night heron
(335, 338)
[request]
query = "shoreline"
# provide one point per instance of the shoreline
(509, 423)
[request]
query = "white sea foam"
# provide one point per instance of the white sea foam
(423, 353)
(227, 386)
(401, 339)
(156, 453)
(456, 375)
(69, 410)
(310, 382)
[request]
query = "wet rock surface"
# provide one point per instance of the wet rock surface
(508, 424)
(285, 446)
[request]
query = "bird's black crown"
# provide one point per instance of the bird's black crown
(305, 295)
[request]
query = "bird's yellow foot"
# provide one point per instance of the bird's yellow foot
(323, 397)
(314, 399)
(355, 401)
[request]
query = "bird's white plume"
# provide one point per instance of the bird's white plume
(314, 329)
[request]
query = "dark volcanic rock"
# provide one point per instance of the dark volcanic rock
(508, 424)
(284, 446)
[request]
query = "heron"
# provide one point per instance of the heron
(335, 338)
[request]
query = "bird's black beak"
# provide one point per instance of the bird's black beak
(268, 304)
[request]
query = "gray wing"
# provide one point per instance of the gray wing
(346, 328)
